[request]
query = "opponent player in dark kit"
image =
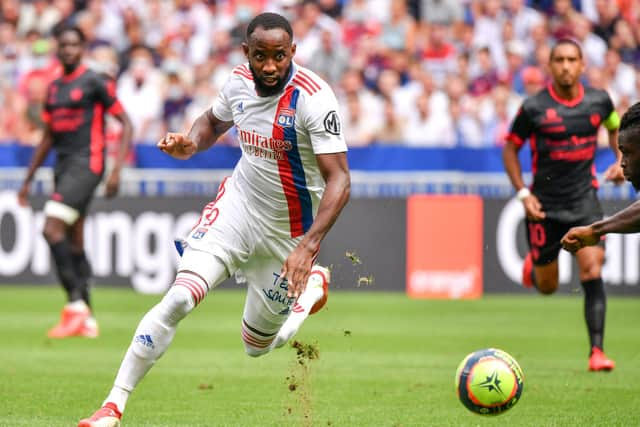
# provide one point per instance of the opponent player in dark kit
(74, 114)
(561, 123)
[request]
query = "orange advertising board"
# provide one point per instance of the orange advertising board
(444, 246)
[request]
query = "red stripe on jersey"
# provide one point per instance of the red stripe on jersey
(96, 146)
(586, 153)
(286, 174)
(517, 141)
(116, 108)
(310, 84)
(303, 85)
(306, 76)
(46, 117)
(594, 178)
(246, 76)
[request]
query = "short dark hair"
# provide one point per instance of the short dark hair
(268, 21)
(631, 119)
(65, 28)
(565, 40)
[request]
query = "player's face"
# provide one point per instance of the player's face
(70, 49)
(566, 65)
(269, 53)
(630, 157)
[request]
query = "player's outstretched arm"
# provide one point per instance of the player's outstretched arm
(113, 181)
(335, 171)
(626, 221)
(36, 161)
(532, 205)
(204, 132)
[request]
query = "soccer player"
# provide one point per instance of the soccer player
(627, 220)
(561, 123)
(267, 220)
(74, 114)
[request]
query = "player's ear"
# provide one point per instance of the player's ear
(245, 49)
(293, 49)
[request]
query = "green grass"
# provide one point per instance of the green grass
(384, 360)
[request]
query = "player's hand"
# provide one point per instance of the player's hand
(23, 194)
(533, 208)
(296, 270)
(177, 145)
(579, 237)
(113, 184)
(614, 174)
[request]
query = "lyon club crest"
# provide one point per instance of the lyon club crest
(285, 117)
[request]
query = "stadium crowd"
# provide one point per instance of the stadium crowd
(416, 72)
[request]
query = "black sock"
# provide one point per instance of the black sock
(595, 307)
(83, 271)
(63, 258)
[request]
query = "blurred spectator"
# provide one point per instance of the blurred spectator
(488, 30)
(391, 130)
(533, 80)
(399, 31)
(624, 41)
(138, 91)
(359, 128)
(562, 19)
(439, 55)
(330, 60)
(621, 75)
(176, 99)
(425, 129)
(516, 53)
(443, 12)
(38, 15)
(109, 25)
(523, 18)
(465, 126)
(593, 47)
(485, 76)
(608, 16)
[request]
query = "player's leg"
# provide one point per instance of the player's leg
(74, 188)
(540, 268)
(590, 260)
(83, 270)
(312, 299)
(198, 272)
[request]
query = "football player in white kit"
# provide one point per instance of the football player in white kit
(267, 220)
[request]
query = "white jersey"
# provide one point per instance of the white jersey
(280, 136)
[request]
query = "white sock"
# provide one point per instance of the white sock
(300, 311)
(78, 305)
(152, 338)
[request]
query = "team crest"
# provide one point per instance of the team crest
(332, 123)
(199, 233)
(595, 120)
(286, 117)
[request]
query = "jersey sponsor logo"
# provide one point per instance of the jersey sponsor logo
(75, 94)
(332, 123)
(254, 139)
(595, 119)
(286, 117)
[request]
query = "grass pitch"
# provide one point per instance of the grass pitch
(384, 360)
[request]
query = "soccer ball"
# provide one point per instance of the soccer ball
(489, 381)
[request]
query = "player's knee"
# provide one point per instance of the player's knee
(546, 287)
(252, 351)
(52, 234)
(177, 303)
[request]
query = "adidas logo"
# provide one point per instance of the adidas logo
(145, 340)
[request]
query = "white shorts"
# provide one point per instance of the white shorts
(228, 231)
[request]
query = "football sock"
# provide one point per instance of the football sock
(154, 334)
(300, 310)
(83, 271)
(595, 307)
(63, 259)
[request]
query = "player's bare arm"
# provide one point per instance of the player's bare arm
(203, 134)
(532, 205)
(335, 171)
(113, 181)
(614, 172)
(625, 222)
(38, 158)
